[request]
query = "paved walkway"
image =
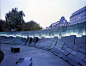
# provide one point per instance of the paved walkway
(39, 57)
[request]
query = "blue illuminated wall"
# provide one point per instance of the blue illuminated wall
(77, 29)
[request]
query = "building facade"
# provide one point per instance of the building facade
(60, 23)
(78, 16)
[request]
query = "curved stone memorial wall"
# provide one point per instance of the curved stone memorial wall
(68, 43)
(71, 49)
(77, 29)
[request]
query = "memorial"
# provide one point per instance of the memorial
(68, 44)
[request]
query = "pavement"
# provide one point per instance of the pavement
(39, 57)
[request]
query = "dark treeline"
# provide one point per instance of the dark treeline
(14, 22)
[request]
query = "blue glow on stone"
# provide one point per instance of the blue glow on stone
(64, 34)
(47, 33)
(36, 35)
(42, 35)
(3, 34)
(78, 35)
(30, 36)
(14, 35)
(11, 35)
(59, 36)
(67, 34)
(39, 37)
(24, 36)
(56, 34)
(73, 33)
(18, 35)
(7, 35)
(84, 32)
(47, 36)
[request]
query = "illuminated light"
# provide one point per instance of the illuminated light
(7, 35)
(52, 37)
(56, 34)
(11, 35)
(47, 36)
(31, 36)
(67, 34)
(79, 17)
(14, 36)
(21, 35)
(74, 33)
(0, 34)
(42, 35)
(84, 33)
(39, 37)
(36, 35)
(78, 35)
(64, 35)
(59, 37)
(3, 34)
(25, 37)
(18, 35)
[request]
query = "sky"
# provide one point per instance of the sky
(44, 12)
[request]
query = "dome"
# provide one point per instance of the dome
(62, 19)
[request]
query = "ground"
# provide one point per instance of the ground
(39, 57)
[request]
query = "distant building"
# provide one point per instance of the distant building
(78, 16)
(60, 23)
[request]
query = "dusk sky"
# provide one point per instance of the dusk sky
(44, 12)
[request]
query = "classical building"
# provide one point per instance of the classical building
(60, 23)
(78, 16)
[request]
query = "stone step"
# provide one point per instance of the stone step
(27, 61)
(73, 63)
(80, 55)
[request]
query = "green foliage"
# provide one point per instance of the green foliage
(19, 28)
(32, 25)
(14, 19)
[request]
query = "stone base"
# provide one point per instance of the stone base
(27, 61)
